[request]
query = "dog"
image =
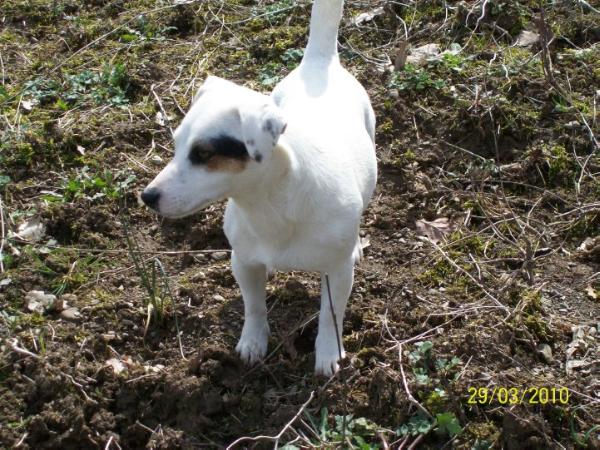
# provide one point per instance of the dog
(298, 168)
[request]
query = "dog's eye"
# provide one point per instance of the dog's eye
(200, 154)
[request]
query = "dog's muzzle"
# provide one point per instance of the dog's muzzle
(150, 197)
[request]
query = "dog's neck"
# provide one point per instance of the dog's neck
(270, 181)
(324, 23)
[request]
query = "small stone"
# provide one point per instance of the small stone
(39, 301)
(71, 314)
(68, 299)
(394, 93)
(218, 298)
(572, 125)
(198, 277)
(592, 331)
(527, 39)
(545, 352)
(219, 256)
(156, 160)
(110, 336)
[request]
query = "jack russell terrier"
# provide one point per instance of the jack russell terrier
(298, 168)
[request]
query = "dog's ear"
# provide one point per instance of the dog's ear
(210, 82)
(261, 127)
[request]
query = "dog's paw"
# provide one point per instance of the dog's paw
(252, 346)
(327, 360)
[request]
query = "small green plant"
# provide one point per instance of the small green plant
(144, 30)
(359, 432)
(93, 187)
(413, 78)
(444, 424)
(269, 74)
(41, 89)
(4, 180)
(3, 93)
(154, 280)
(292, 57)
(417, 424)
(64, 271)
(106, 87)
(453, 61)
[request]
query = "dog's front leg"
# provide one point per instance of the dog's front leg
(327, 351)
(255, 334)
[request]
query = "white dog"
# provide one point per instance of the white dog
(298, 169)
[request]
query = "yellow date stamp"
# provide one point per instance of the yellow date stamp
(518, 395)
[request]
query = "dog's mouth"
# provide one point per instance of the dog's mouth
(182, 214)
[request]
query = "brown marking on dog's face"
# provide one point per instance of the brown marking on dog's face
(219, 163)
(222, 153)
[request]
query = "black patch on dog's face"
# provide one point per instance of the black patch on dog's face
(225, 146)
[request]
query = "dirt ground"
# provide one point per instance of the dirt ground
(474, 321)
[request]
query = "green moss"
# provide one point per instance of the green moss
(444, 274)
(538, 326)
(436, 401)
(475, 244)
(482, 435)
(386, 127)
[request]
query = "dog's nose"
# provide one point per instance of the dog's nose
(150, 197)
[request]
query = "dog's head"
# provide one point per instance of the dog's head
(223, 145)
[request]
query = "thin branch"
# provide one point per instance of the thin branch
(281, 433)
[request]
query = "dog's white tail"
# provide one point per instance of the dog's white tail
(324, 24)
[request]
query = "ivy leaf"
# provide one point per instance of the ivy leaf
(448, 423)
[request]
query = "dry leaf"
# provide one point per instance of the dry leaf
(116, 365)
(32, 230)
(368, 16)
(437, 230)
(160, 119)
(420, 55)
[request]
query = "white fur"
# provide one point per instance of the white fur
(299, 208)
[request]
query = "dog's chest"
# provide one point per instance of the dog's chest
(283, 249)
(281, 245)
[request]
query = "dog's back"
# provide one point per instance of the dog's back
(333, 106)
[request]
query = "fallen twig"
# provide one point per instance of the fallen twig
(281, 433)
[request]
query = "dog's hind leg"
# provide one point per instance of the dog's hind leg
(255, 334)
(326, 347)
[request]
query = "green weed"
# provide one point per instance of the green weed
(92, 187)
(269, 74)
(292, 57)
(107, 86)
(145, 30)
(359, 432)
(64, 271)
(154, 280)
(413, 78)
(445, 424)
